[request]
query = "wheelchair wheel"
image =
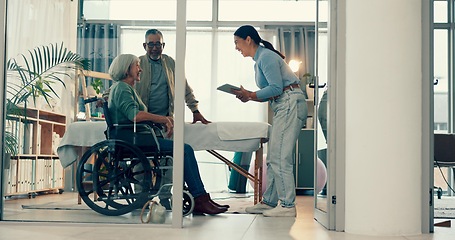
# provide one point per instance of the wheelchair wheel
(114, 177)
(188, 203)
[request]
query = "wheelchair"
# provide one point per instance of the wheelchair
(127, 170)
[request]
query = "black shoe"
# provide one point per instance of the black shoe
(202, 204)
(218, 205)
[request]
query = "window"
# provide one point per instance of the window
(441, 78)
(257, 10)
(441, 11)
(199, 66)
(148, 10)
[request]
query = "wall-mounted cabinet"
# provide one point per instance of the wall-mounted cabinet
(36, 168)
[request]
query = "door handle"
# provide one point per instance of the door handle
(311, 85)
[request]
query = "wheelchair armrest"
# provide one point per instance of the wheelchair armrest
(140, 127)
(143, 128)
(144, 125)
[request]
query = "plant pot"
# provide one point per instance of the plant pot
(38, 103)
(309, 91)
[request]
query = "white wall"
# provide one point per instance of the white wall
(383, 117)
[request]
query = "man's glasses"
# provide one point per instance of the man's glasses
(157, 44)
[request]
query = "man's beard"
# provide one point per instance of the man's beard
(155, 58)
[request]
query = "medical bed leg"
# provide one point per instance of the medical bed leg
(258, 175)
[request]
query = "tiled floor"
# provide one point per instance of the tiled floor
(220, 227)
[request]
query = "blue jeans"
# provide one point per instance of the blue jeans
(289, 116)
(190, 168)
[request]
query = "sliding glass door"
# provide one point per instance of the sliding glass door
(324, 197)
(100, 30)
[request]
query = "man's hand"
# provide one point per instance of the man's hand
(198, 117)
(169, 124)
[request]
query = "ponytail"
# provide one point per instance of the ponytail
(270, 46)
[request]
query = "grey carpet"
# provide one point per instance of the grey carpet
(237, 205)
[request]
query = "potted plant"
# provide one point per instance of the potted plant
(308, 79)
(34, 78)
(97, 84)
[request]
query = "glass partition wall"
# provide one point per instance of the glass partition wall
(444, 63)
(99, 30)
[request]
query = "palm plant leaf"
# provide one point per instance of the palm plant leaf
(32, 75)
(45, 64)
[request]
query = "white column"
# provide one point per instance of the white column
(383, 74)
(179, 110)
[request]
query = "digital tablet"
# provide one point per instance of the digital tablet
(227, 88)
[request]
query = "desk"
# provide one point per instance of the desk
(225, 136)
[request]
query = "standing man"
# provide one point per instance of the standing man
(157, 86)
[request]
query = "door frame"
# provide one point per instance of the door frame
(427, 220)
(339, 112)
(337, 153)
(2, 93)
(333, 219)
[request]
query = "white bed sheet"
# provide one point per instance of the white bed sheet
(226, 136)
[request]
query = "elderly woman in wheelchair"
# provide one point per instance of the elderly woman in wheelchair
(131, 164)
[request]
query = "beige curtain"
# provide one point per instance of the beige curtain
(32, 23)
(298, 43)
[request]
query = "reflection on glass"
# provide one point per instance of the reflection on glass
(321, 167)
(441, 77)
(321, 176)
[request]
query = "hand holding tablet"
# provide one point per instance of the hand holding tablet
(228, 88)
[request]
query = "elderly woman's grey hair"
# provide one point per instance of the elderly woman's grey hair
(120, 66)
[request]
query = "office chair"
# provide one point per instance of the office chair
(444, 156)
